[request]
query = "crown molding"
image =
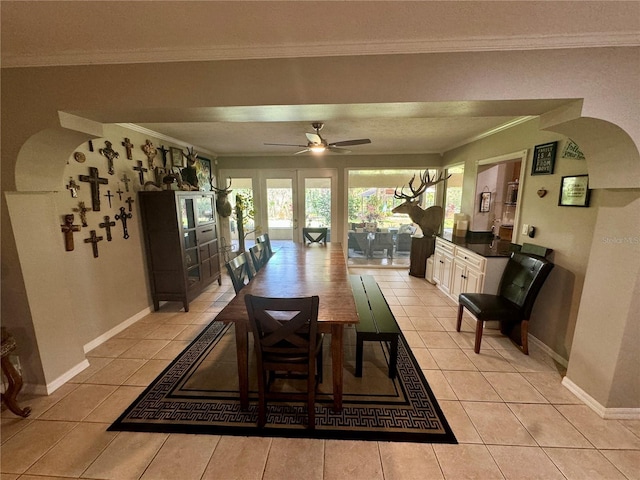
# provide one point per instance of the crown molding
(167, 138)
(453, 45)
(493, 131)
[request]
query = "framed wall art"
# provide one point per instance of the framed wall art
(574, 191)
(544, 159)
(203, 170)
(485, 202)
(177, 158)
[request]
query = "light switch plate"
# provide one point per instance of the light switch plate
(525, 229)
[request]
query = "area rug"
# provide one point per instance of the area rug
(198, 393)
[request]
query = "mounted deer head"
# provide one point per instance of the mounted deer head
(223, 206)
(428, 220)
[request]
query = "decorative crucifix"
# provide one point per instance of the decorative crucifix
(150, 151)
(68, 228)
(110, 153)
(82, 210)
(94, 179)
(94, 239)
(129, 200)
(73, 187)
(108, 195)
(119, 192)
(140, 169)
(164, 152)
(128, 145)
(126, 181)
(122, 216)
(107, 226)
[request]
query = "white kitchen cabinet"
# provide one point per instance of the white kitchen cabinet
(459, 270)
(467, 275)
(442, 264)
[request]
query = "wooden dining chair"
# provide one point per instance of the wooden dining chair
(239, 271)
(521, 282)
(287, 345)
(264, 238)
(259, 255)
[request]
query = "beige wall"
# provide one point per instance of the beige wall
(568, 231)
(606, 78)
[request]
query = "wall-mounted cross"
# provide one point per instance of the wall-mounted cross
(128, 145)
(164, 152)
(150, 151)
(68, 228)
(140, 169)
(108, 195)
(73, 187)
(129, 200)
(122, 216)
(119, 192)
(107, 226)
(94, 239)
(110, 153)
(126, 180)
(94, 179)
(82, 210)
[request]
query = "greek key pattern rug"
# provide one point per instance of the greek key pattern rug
(198, 393)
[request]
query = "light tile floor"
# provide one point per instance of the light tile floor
(512, 417)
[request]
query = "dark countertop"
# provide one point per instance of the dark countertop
(482, 244)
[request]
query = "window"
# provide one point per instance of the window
(453, 195)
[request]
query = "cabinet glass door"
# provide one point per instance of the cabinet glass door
(205, 209)
(188, 213)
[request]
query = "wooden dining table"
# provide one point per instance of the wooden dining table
(297, 270)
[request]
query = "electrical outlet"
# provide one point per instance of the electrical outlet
(525, 229)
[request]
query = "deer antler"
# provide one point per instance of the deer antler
(224, 190)
(425, 182)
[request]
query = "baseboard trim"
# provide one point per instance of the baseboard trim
(544, 347)
(49, 388)
(116, 330)
(601, 410)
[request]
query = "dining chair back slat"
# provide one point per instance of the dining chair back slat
(264, 238)
(239, 271)
(259, 255)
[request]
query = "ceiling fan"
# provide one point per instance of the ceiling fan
(316, 144)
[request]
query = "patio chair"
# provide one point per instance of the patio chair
(382, 242)
(315, 235)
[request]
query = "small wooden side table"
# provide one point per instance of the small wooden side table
(14, 378)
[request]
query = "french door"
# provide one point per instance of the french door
(284, 201)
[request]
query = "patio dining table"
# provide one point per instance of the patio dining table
(297, 270)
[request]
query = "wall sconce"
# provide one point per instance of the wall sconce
(542, 192)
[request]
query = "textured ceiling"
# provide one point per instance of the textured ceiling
(80, 32)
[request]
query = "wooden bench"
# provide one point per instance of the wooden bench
(377, 323)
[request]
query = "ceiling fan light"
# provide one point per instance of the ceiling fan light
(317, 148)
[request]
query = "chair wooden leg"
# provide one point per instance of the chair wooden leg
(319, 366)
(479, 327)
(311, 397)
(524, 333)
(459, 324)
(262, 400)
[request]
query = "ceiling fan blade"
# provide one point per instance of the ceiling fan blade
(302, 151)
(286, 145)
(337, 150)
(314, 138)
(347, 143)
